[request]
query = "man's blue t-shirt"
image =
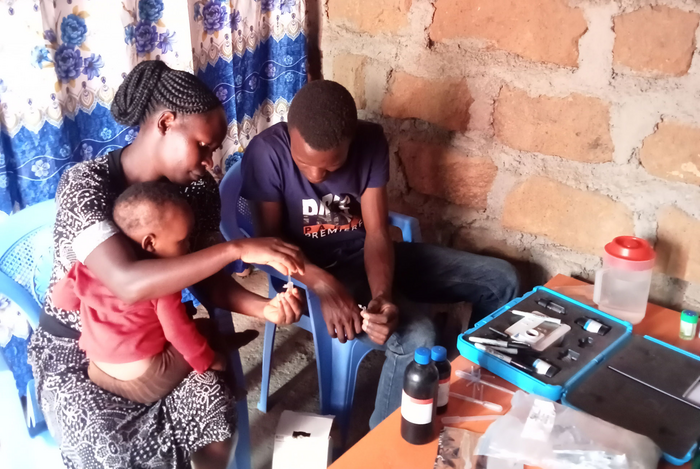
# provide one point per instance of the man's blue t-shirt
(324, 220)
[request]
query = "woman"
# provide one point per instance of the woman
(181, 124)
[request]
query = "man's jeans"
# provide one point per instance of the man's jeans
(425, 274)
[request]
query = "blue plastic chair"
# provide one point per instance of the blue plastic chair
(26, 257)
(336, 363)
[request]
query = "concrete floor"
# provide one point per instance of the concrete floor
(294, 384)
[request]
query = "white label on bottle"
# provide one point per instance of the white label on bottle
(541, 367)
(443, 392)
(593, 326)
(687, 329)
(418, 411)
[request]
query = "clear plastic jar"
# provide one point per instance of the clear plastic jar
(622, 285)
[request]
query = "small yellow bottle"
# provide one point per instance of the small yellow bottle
(689, 324)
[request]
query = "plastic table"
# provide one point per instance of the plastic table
(383, 447)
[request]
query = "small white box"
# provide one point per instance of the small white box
(302, 441)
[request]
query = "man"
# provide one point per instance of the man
(320, 182)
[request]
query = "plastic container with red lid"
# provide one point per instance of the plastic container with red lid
(622, 285)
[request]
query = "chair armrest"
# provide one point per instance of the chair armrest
(410, 229)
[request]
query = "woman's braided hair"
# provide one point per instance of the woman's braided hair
(152, 84)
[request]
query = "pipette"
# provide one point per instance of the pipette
(489, 405)
(470, 377)
(471, 418)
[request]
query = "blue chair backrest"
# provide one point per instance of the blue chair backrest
(232, 202)
(26, 260)
(26, 257)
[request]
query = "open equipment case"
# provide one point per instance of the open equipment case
(638, 383)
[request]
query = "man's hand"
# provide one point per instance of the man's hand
(380, 319)
(340, 311)
(285, 308)
(283, 257)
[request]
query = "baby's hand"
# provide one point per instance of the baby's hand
(285, 308)
(219, 363)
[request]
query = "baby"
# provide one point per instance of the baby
(144, 350)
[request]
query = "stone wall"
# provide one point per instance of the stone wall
(535, 130)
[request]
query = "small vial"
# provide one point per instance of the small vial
(551, 305)
(689, 324)
(593, 326)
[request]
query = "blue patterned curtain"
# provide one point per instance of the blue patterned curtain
(61, 62)
(253, 57)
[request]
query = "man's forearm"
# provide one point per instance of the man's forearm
(379, 264)
(314, 277)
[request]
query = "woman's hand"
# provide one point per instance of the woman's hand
(285, 308)
(283, 257)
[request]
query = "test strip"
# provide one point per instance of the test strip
(533, 315)
(499, 333)
(499, 343)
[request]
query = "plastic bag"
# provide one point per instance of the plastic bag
(482, 462)
(456, 451)
(456, 448)
(539, 432)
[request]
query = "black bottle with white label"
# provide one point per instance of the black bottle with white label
(439, 356)
(418, 404)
